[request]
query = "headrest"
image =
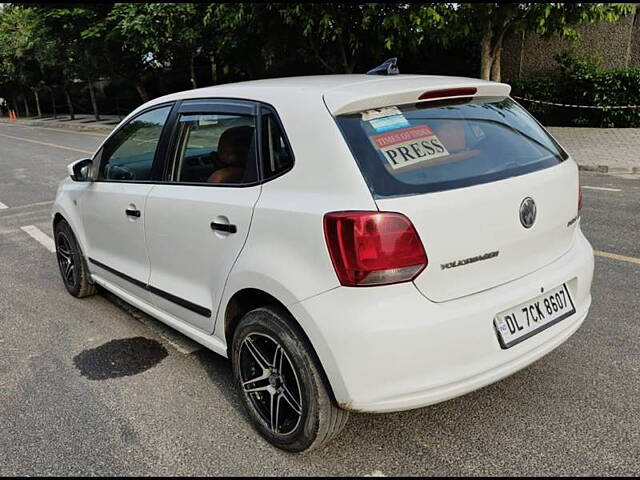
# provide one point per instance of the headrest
(452, 135)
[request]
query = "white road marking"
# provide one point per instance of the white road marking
(48, 202)
(587, 187)
(615, 256)
(45, 143)
(40, 236)
(3, 206)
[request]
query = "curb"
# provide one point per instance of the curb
(72, 127)
(608, 169)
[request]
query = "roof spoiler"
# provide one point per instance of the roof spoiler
(405, 90)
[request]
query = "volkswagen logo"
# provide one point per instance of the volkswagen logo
(528, 212)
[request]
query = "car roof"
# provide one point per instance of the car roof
(341, 93)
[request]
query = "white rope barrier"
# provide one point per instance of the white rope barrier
(576, 106)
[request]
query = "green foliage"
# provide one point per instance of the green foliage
(162, 47)
(581, 81)
(490, 23)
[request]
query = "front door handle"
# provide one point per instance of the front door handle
(224, 227)
(132, 212)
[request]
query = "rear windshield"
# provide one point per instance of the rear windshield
(441, 145)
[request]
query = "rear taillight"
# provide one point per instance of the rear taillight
(373, 248)
(579, 198)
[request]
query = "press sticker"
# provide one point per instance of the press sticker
(380, 113)
(410, 146)
(389, 123)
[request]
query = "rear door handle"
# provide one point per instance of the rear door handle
(224, 227)
(132, 212)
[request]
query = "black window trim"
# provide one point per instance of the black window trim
(284, 136)
(160, 152)
(207, 106)
(164, 153)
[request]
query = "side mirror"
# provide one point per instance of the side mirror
(80, 170)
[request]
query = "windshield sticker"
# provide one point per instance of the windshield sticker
(410, 146)
(477, 131)
(380, 113)
(389, 123)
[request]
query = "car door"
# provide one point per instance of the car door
(112, 207)
(198, 220)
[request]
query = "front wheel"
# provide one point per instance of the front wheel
(280, 384)
(71, 261)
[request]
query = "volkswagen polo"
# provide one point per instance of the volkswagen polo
(353, 243)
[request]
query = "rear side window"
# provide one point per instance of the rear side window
(276, 154)
(440, 145)
(215, 149)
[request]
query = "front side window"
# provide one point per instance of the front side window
(129, 154)
(215, 149)
(277, 156)
(440, 145)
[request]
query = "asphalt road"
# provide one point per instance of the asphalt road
(89, 387)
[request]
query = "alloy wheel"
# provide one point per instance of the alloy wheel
(270, 382)
(66, 260)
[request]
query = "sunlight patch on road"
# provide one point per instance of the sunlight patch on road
(615, 256)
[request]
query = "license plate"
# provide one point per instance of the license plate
(525, 320)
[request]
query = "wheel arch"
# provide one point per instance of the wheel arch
(247, 299)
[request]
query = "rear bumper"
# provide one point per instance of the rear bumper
(389, 348)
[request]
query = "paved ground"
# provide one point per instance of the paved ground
(81, 122)
(90, 388)
(602, 149)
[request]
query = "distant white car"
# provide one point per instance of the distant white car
(367, 243)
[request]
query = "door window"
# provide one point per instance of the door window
(215, 149)
(129, 154)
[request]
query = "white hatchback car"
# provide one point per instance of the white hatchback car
(367, 243)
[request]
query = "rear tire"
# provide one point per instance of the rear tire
(277, 375)
(73, 266)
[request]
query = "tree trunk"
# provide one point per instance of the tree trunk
(192, 68)
(94, 104)
(347, 66)
(37, 97)
(142, 92)
(496, 53)
(69, 104)
(26, 106)
(15, 106)
(486, 59)
(495, 66)
(53, 102)
(214, 71)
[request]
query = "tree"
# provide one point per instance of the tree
(492, 22)
(81, 31)
(344, 36)
(161, 33)
(17, 46)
